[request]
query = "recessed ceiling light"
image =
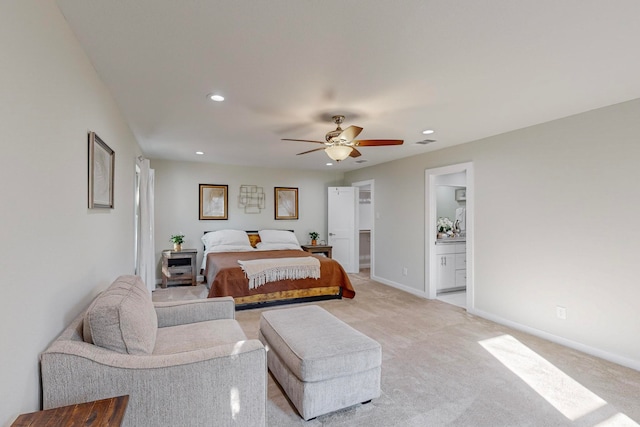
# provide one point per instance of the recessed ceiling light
(216, 97)
(199, 153)
(329, 164)
(428, 132)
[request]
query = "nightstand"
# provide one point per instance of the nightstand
(318, 249)
(179, 267)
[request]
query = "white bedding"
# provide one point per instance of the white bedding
(238, 241)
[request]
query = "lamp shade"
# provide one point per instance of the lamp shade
(338, 152)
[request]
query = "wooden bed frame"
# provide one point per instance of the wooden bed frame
(288, 297)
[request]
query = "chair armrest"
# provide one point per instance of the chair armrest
(108, 359)
(174, 313)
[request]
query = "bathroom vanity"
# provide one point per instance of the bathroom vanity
(451, 264)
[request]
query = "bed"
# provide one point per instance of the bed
(225, 277)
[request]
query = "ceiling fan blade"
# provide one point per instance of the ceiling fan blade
(310, 151)
(349, 133)
(355, 153)
(303, 140)
(377, 142)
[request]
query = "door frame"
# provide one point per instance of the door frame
(431, 233)
(371, 184)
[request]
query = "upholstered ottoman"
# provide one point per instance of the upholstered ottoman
(322, 363)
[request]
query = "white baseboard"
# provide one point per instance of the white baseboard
(593, 351)
(611, 357)
(402, 287)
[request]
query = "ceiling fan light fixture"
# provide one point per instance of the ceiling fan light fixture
(338, 152)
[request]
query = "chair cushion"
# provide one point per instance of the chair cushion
(197, 336)
(122, 318)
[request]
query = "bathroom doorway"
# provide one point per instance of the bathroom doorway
(449, 243)
(366, 226)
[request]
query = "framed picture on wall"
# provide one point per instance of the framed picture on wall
(214, 201)
(101, 166)
(286, 203)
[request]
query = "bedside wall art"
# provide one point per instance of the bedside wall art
(286, 203)
(251, 198)
(214, 201)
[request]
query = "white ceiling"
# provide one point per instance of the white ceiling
(468, 69)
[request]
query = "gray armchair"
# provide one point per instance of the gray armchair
(184, 363)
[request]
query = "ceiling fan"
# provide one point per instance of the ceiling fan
(341, 144)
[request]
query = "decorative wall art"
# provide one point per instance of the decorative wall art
(101, 166)
(213, 201)
(251, 198)
(286, 203)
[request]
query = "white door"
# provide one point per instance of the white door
(343, 227)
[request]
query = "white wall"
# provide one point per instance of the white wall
(446, 202)
(556, 208)
(177, 200)
(55, 253)
(458, 179)
(365, 210)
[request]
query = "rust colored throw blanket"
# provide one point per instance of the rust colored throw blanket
(226, 278)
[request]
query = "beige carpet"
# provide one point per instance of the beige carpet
(443, 367)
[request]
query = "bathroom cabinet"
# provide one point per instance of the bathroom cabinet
(451, 265)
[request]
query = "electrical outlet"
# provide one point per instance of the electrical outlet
(561, 312)
(405, 271)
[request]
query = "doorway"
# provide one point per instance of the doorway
(451, 255)
(366, 226)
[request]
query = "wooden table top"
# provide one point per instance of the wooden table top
(100, 413)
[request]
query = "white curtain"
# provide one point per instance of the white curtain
(146, 263)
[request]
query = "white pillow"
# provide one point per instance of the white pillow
(277, 246)
(231, 248)
(278, 236)
(225, 237)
